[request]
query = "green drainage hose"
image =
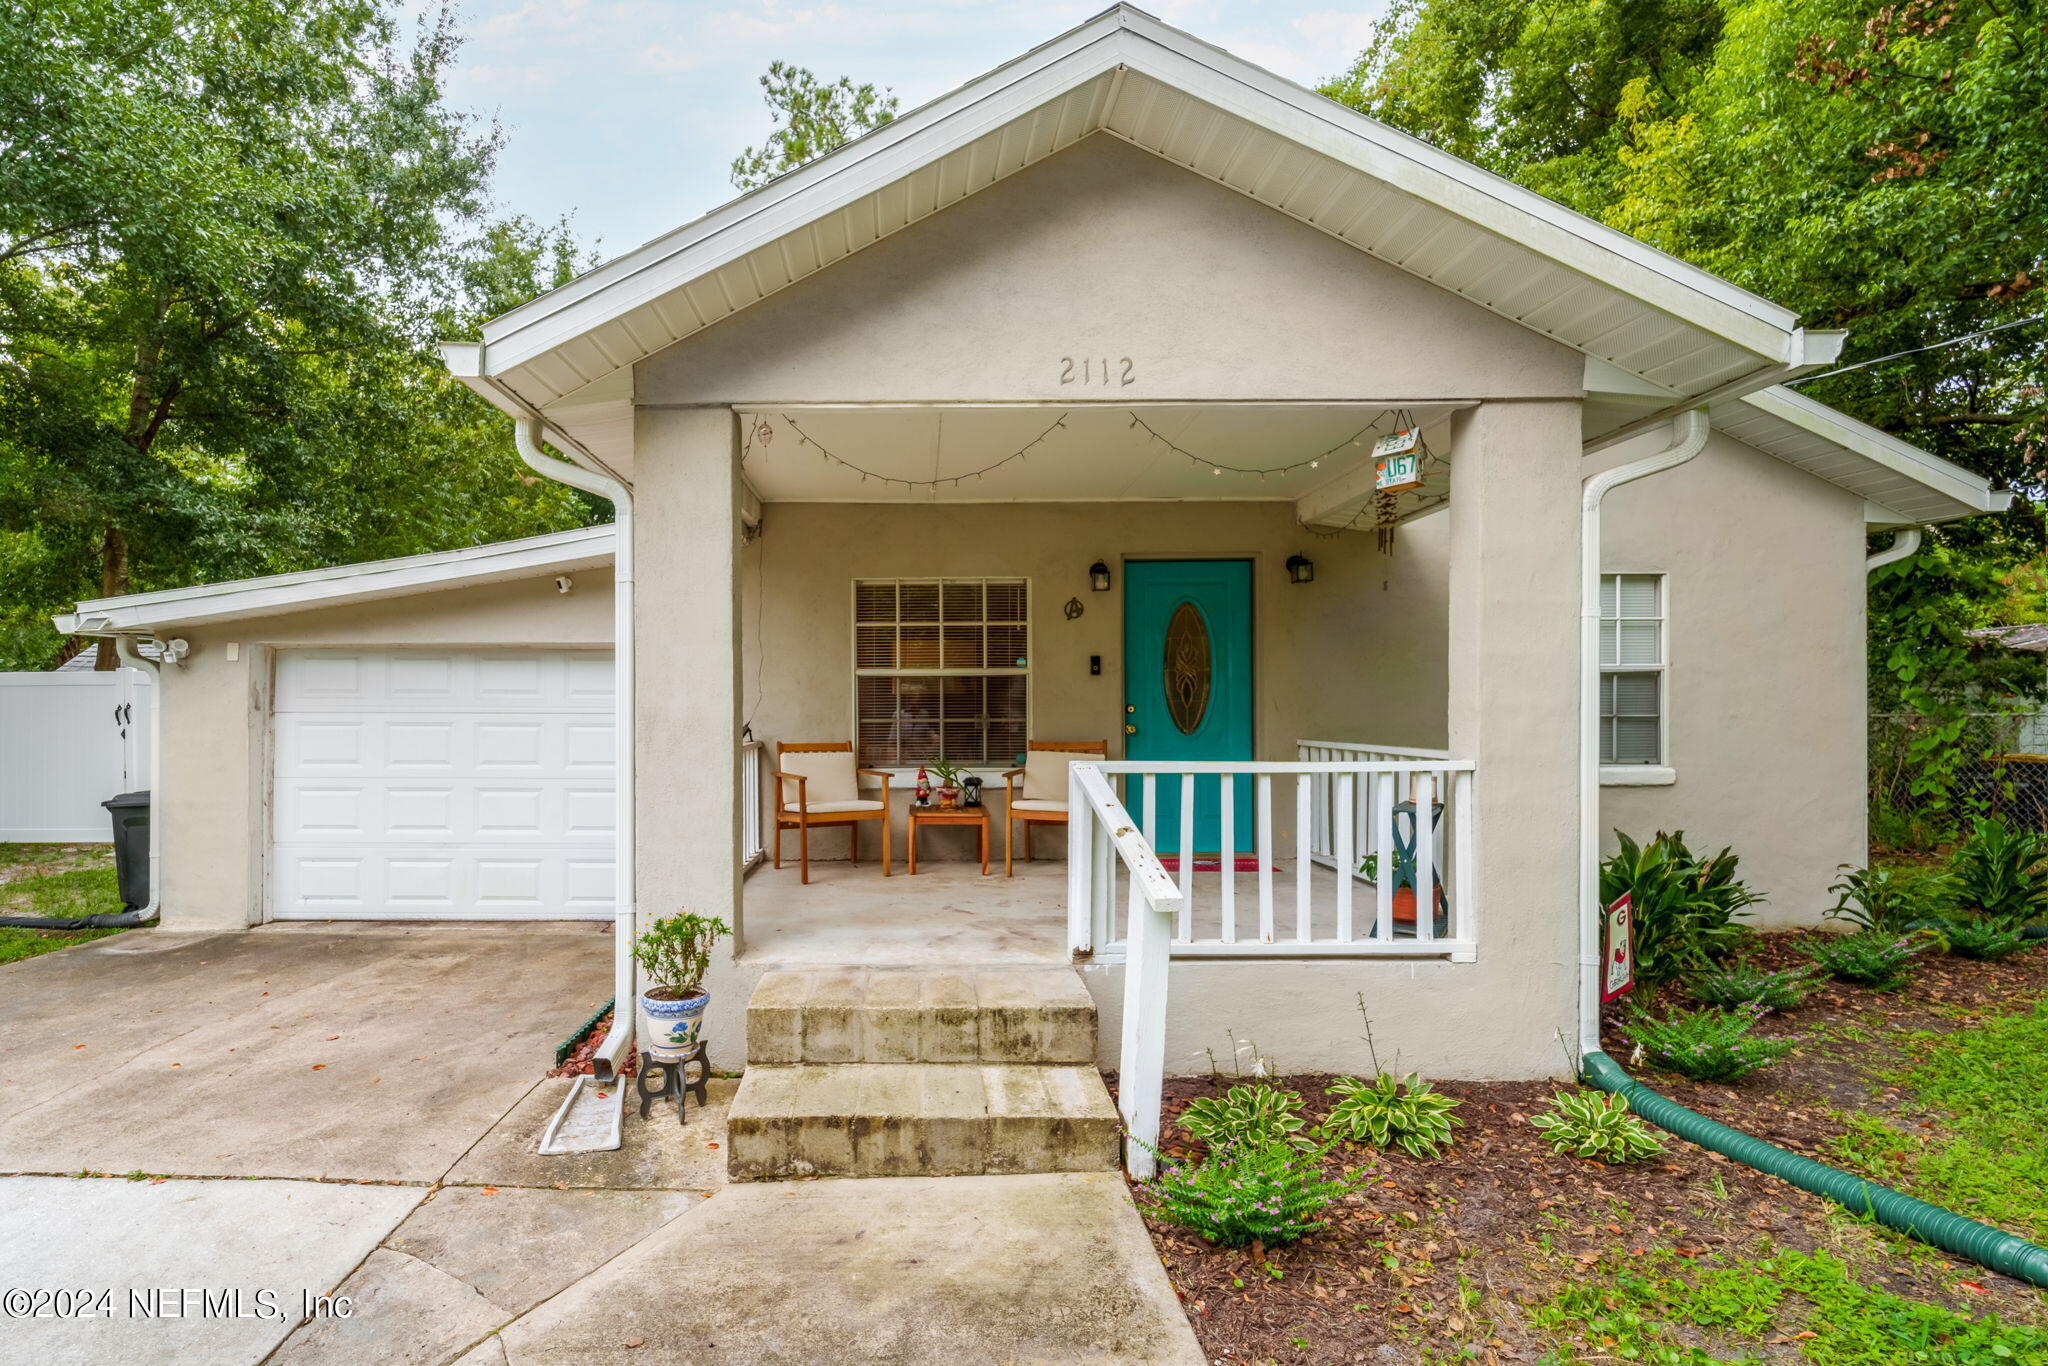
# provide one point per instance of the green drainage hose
(1951, 1232)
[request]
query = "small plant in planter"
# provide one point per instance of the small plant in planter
(1392, 1112)
(1984, 940)
(1706, 1045)
(1747, 986)
(673, 954)
(1596, 1124)
(1240, 1193)
(947, 775)
(1881, 962)
(1250, 1114)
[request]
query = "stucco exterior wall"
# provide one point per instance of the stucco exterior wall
(216, 718)
(1107, 251)
(1767, 731)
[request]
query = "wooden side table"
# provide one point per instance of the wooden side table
(959, 815)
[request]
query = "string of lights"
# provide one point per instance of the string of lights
(805, 439)
(1218, 467)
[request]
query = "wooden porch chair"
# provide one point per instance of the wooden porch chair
(1041, 799)
(819, 785)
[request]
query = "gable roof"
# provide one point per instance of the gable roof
(1127, 75)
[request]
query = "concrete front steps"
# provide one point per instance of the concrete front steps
(920, 1072)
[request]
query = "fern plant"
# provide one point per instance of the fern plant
(1984, 940)
(1706, 1045)
(1393, 1112)
(1868, 959)
(1596, 1124)
(1746, 986)
(1248, 1114)
(1269, 1193)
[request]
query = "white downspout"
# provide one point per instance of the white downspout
(611, 1055)
(124, 646)
(1905, 543)
(1688, 437)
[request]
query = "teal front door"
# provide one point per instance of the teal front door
(1188, 690)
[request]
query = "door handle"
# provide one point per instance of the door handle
(1130, 729)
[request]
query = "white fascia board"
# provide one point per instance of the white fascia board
(583, 548)
(1951, 481)
(1127, 37)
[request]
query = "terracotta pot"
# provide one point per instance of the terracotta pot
(669, 1022)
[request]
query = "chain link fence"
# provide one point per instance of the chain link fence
(1921, 792)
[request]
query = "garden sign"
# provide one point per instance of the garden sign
(1617, 950)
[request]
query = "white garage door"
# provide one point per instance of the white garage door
(470, 785)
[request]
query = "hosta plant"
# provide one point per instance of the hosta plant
(1596, 1124)
(1251, 1113)
(1239, 1193)
(1747, 986)
(1984, 940)
(1392, 1112)
(1706, 1045)
(1881, 962)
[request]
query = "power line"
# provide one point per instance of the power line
(1934, 346)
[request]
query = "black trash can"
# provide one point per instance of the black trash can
(130, 811)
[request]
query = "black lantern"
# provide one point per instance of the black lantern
(1098, 577)
(1301, 569)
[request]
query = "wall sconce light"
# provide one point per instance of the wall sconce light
(1098, 577)
(1301, 569)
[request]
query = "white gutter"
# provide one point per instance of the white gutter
(1905, 543)
(1688, 438)
(611, 1055)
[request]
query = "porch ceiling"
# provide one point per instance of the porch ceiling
(979, 454)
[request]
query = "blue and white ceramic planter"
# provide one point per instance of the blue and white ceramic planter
(668, 1029)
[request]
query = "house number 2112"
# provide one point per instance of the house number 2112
(1098, 370)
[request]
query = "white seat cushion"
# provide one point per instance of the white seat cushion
(1026, 804)
(828, 777)
(1045, 773)
(827, 808)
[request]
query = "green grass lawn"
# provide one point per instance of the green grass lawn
(54, 880)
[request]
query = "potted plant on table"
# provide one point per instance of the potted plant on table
(948, 776)
(674, 953)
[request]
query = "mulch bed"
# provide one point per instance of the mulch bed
(578, 1063)
(1438, 1258)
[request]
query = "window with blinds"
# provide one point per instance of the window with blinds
(941, 670)
(1632, 667)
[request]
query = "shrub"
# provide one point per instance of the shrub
(2002, 872)
(1249, 1114)
(675, 950)
(1595, 1124)
(1745, 986)
(1706, 1045)
(1268, 1193)
(1985, 940)
(1870, 959)
(1393, 1112)
(1684, 907)
(1885, 899)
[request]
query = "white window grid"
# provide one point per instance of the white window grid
(1634, 669)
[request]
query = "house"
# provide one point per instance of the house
(876, 431)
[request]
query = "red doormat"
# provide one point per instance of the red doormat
(1213, 863)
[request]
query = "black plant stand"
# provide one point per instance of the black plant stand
(675, 1081)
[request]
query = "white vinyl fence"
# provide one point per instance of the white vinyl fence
(69, 741)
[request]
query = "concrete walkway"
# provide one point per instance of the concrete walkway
(377, 1089)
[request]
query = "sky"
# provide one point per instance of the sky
(626, 114)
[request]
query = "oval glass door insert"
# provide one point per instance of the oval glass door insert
(1189, 668)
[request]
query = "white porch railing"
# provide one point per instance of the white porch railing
(752, 850)
(1154, 904)
(1338, 864)
(1322, 828)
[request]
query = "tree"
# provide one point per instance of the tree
(810, 120)
(1876, 166)
(229, 230)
